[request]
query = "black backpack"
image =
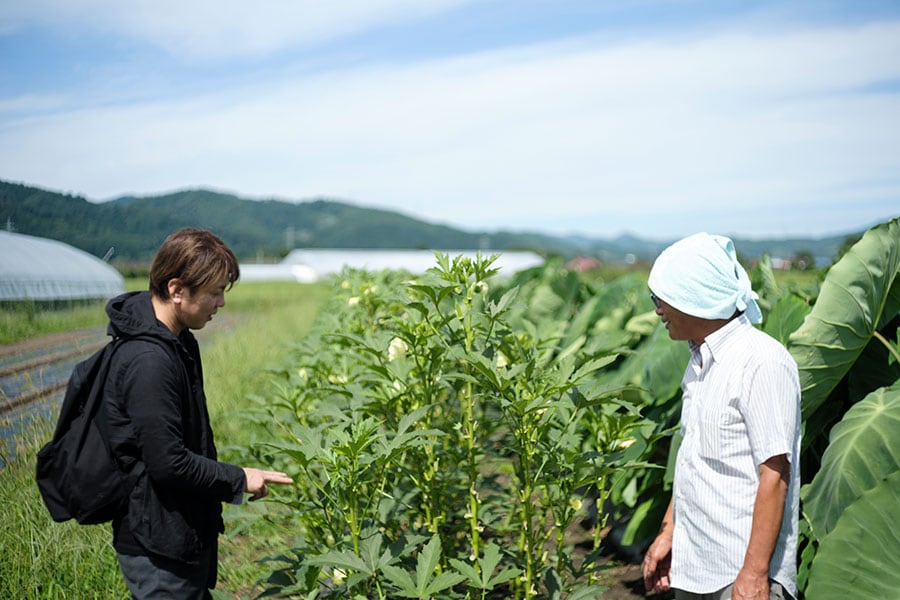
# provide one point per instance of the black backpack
(77, 474)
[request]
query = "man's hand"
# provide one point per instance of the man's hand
(658, 564)
(658, 560)
(258, 480)
(750, 586)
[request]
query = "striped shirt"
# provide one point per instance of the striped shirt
(741, 406)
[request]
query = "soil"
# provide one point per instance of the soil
(624, 582)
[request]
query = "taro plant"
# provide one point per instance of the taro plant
(434, 409)
(851, 408)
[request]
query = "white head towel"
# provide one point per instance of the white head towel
(701, 276)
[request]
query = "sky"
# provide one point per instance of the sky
(660, 118)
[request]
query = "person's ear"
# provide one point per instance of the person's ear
(176, 290)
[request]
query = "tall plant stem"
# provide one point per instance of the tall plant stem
(602, 495)
(892, 348)
(469, 426)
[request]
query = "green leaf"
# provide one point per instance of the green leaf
(587, 592)
(427, 562)
(644, 523)
(859, 559)
(486, 580)
(864, 449)
(401, 580)
(475, 579)
(643, 324)
(340, 559)
(786, 317)
(442, 582)
(860, 290)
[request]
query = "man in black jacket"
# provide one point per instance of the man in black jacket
(166, 540)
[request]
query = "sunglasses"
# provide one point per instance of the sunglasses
(656, 301)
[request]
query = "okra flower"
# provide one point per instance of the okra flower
(397, 348)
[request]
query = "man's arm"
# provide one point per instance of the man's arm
(753, 579)
(658, 560)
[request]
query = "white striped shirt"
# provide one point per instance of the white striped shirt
(741, 406)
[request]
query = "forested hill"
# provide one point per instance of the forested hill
(135, 227)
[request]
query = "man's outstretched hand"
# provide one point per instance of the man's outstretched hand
(258, 481)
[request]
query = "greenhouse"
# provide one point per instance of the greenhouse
(313, 264)
(33, 268)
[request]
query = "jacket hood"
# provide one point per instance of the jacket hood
(131, 315)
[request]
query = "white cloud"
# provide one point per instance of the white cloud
(221, 29)
(752, 121)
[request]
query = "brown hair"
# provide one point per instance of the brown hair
(196, 258)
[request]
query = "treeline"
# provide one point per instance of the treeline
(135, 227)
(268, 229)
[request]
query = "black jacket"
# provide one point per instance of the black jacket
(156, 410)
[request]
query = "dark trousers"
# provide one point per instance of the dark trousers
(776, 592)
(160, 578)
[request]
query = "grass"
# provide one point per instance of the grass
(47, 560)
(27, 319)
(23, 320)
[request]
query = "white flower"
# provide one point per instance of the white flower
(502, 360)
(623, 444)
(353, 301)
(481, 287)
(397, 348)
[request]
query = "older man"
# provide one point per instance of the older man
(730, 531)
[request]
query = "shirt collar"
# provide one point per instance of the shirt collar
(719, 340)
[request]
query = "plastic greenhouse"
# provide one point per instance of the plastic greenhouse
(33, 268)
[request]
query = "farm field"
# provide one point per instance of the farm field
(452, 435)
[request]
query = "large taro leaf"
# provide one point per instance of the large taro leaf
(861, 291)
(860, 558)
(864, 450)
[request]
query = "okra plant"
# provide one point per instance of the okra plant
(442, 443)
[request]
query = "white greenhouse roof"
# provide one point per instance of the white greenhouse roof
(309, 265)
(42, 269)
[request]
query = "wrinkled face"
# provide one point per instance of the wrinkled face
(681, 326)
(194, 309)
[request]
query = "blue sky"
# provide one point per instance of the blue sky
(660, 118)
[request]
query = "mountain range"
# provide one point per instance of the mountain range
(130, 229)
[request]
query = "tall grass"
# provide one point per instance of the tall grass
(25, 319)
(43, 560)
(22, 320)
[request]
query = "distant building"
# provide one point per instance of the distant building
(310, 265)
(583, 263)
